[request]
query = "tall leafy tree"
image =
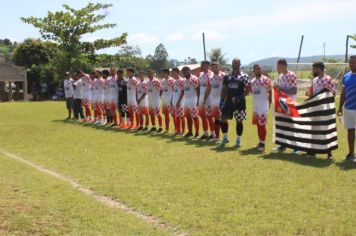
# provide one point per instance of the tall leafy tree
(217, 55)
(159, 60)
(66, 27)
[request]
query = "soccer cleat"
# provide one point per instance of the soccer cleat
(196, 136)
(153, 129)
(280, 149)
(296, 152)
(214, 139)
(350, 157)
(83, 120)
(140, 128)
(223, 142)
(177, 134)
(159, 130)
(204, 137)
(166, 131)
(238, 143)
(145, 129)
(261, 147)
(188, 135)
(330, 158)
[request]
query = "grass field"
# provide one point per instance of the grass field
(189, 184)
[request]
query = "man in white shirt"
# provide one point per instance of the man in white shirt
(68, 93)
(77, 97)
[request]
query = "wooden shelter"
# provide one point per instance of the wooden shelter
(13, 83)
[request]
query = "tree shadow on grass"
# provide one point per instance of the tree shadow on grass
(304, 160)
(346, 165)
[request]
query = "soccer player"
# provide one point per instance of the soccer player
(113, 93)
(348, 98)
(261, 89)
(212, 101)
(154, 94)
(106, 97)
(142, 102)
(177, 102)
(131, 98)
(321, 81)
(93, 94)
(77, 97)
(85, 78)
(101, 97)
(122, 99)
(233, 102)
(68, 93)
(96, 94)
(167, 93)
(191, 95)
(204, 83)
(287, 83)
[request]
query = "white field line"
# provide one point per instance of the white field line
(106, 200)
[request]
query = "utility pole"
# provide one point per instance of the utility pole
(204, 46)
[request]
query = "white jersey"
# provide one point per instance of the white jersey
(106, 91)
(78, 90)
(86, 87)
(190, 92)
(178, 87)
(154, 88)
(68, 88)
(204, 83)
(142, 88)
(131, 91)
(167, 90)
(216, 83)
(95, 95)
(101, 88)
(260, 88)
(113, 89)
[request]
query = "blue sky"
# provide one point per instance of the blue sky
(247, 29)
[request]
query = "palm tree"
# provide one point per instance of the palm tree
(217, 55)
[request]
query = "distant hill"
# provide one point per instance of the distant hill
(271, 61)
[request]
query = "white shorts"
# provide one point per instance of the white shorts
(350, 119)
(213, 102)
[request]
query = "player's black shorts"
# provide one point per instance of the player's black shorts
(69, 103)
(237, 109)
(123, 108)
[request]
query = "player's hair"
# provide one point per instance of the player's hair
(186, 68)
(205, 62)
(106, 72)
(176, 69)
(319, 64)
(131, 70)
(282, 62)
(120, 71)
(165, 70)
(215, 63)
(67, 73)
(152, 71)
(236, 59)
(255, 65)
(352, 57)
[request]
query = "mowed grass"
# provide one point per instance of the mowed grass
(190, 184)
(32, 203)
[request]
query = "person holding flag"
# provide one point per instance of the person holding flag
(286, 83)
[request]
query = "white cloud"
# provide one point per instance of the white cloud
(175, 37)
(142, 38)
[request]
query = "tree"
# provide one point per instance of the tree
(67, 28)
(354, 38)
(217, 55)
(190, 60)
(159, 60)
(38, 56)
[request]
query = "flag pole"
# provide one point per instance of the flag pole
(204, 46)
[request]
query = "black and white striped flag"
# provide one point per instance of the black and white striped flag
(313, 130)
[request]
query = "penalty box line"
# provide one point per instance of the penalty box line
(106, 200)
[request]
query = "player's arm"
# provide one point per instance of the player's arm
(207, 91)
(198, 93)
(180, 98)
(342, 101)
